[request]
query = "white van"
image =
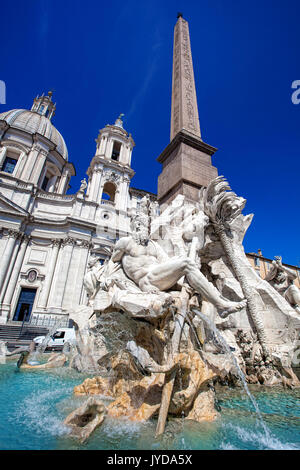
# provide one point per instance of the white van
(58, 339)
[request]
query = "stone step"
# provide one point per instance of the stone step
(16, 333)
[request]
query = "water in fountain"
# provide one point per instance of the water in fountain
(227, 349)
(181, 387)
(41, 348)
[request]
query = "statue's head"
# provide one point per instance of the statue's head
(139, 227)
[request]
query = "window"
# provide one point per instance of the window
(257, 262)
(109, 191)
(45, 183)
(59, 335)
(9, 165)
(116, 151)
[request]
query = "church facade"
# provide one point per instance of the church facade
(48, 238)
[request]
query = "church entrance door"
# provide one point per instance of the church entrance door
(25, 304)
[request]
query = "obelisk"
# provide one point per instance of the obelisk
(184, 111)
(187, 159)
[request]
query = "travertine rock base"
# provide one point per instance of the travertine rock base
(138, 398)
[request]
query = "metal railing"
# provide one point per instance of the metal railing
(49, 321)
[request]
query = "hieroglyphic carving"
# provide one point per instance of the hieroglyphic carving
(184, 101)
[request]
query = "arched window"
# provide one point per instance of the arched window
(109, 192)
(9, 165)
(50, 178)
(116, 151)
(10, 162)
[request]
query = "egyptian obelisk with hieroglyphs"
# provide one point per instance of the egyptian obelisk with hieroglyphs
(187, 159)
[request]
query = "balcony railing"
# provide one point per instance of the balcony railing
(107, 202)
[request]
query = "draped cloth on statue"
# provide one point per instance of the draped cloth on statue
(117, 291)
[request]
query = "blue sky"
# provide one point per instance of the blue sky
(104, 58)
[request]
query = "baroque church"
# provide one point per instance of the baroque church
(48, 238)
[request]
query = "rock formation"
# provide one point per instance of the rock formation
(85, 419)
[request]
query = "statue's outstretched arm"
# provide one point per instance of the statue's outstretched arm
(119, 250)
(291, 274)
(272, 273)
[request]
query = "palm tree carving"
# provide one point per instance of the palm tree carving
(223, 206)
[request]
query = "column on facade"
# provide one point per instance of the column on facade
(122, 156)
(30, 162)
(43, 174)
(102, 145)
(49, 275)
(94, 191)
(10, 266)
(51, 185)
(61, 273)
(80, 289)
(62, 188)
(3, 151)
(38, 167)
(126, 156)
(88, 187)
(75, 276)
(109, 148)
(20, 165)
(122, 196)
(7, 254)
(16, 268)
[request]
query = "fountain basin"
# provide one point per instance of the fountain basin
(34, 405)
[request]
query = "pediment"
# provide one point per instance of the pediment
(7, 206)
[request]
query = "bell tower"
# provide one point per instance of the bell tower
(186, 160)
(110, 171)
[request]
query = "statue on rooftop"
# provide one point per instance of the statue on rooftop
(83, 186)
(282, 279)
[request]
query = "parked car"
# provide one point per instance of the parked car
(58, 339)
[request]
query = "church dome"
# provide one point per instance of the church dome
(36, 122)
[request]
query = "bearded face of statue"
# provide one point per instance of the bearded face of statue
(280, 277)
(140, 231)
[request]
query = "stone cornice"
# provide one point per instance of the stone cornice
(3, 127)
(68, 221)
(35, 138)
(12, 233)
(55, 196)
(269, 260)
(142, 192)
(19, 184)
(188, 139)
(12, 208)
(119, 166)
(14, 145)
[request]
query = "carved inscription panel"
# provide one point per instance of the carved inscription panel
(184, 113)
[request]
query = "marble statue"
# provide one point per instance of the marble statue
(282, 279)
(140, 266)
(140, 325)
(92, 278)
(149, 267)
(83, 186)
